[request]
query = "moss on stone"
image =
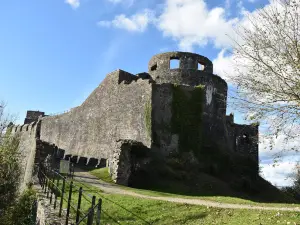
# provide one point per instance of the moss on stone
(187, 108)
(148, 110)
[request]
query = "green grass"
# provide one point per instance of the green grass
(221, 199)
(122, 209)
(103, 174)
(119, 209)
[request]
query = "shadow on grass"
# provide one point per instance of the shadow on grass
(254, 188)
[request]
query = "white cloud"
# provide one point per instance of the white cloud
(191, 23)
(137, 22)
(223, 65)
(279, 175)
(73, 3)
(128, 3)
(278, 164)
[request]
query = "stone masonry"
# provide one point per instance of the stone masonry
(130, 118)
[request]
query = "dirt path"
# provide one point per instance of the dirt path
(115, 189)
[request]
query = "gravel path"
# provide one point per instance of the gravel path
(115, 189)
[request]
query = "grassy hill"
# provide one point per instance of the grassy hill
(214, 185)
(122, 209)
(209, 188)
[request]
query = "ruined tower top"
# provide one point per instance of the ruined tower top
(33, 116)
(187, 61)
(182, 68)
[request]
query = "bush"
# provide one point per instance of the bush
(21, 213)
(292, 191)
(9, 170)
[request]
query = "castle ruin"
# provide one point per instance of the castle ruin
(130, 119)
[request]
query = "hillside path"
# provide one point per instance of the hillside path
(84, 176)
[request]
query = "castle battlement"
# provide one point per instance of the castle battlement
(132, 119)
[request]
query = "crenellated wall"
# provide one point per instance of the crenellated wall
(27, 148)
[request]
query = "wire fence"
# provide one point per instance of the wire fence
(117, 204)
(76, 201)
(67, 196)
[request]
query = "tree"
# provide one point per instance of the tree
(9, 160)
(6, 119)
(294, 189)
(266, 58)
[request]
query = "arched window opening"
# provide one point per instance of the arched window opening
(200, 66)
(245, 139)
(154, 67)
(174, 63)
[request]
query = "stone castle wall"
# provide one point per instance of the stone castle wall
(27, 148)
(127, 114)
(115, 110)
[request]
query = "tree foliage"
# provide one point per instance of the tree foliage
(9, 162)
(5, 118)
(294, 189)
(267, 67)
(9, 170)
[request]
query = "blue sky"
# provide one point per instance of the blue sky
(54, 53)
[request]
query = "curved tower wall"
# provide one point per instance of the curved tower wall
(189, 74)
(193, 70)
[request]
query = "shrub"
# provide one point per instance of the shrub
(21, 213)
(9, 170)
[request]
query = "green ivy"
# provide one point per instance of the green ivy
(148, 110)
(187, 108)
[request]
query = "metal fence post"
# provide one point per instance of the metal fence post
(78, 205)
(91, 212)
(34, 211)
(41, 179)
(69, 202)
(56, 191)
(62, 196)
(99, 211)
(48, 185)
(73, 171)
(52, 186)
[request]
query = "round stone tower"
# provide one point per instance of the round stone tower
(191, 70)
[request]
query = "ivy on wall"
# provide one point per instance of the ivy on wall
(148, 110)
(187, 108)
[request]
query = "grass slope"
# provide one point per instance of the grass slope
(103, 174)
(118, 209)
